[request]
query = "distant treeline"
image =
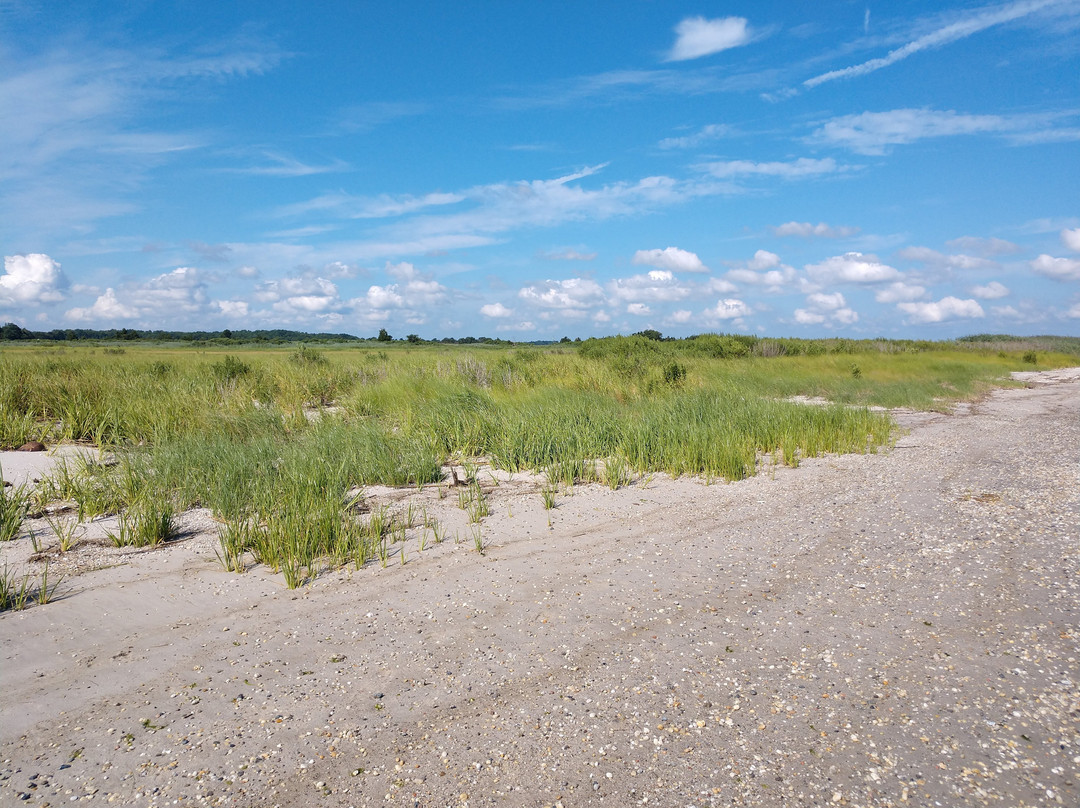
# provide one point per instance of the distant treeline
(647, 341)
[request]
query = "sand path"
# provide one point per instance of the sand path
(882, 630)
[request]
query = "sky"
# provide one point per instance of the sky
(537, 170)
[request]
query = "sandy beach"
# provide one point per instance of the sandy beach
(891, 629)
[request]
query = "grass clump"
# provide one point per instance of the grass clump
(14, 506)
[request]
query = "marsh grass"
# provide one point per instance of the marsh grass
(234, 431)
(17, 592)
(14, 507)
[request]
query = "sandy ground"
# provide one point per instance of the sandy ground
(884, 630)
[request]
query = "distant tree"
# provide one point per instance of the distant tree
(650, 333)
(226, 333)
(413, 338)
(384, 336)
(11, 331)
(565, 339)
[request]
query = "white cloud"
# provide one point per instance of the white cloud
(948, 308)
(874, 132)
(106, 308)
(961, 28)
(162, 298)
(793, 169)
(824, 302)
(1071, 239)
(247, 272)
(764, 269)
(931, 257)
(568, 255)
(729, 309)
(807, 230)
(1074, 311)
(822, 308)
(232, 308)
(806, 317)
(306, 293)
(852, 267)
(680, 316)
(763, 259)
(1060, 269)
(384, 297)
(657, 286)
(899, 291)
(697, 36)
(569, 294)
(990, 291)
(671, 258)
(496, 310)
(713, 131)
(640, 309)
(32, 279)
(984, 246)
(718, 286)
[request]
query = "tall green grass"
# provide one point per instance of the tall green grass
(247, 434)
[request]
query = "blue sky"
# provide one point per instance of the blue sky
(535, 170)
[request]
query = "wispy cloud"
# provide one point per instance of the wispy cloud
(697, 37)
(875, 132)
(283, 165)
(72, 126)
(713, 131)
(969, 24)
(792, 169)
(808, 230)
(373, 114)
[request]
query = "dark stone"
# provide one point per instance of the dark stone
(32, 446)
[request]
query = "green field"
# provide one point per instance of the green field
(272, 438)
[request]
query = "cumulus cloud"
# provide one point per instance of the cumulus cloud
(899, 291)
(1060, 269)
(822, 308)
(670, 258)
(106, 308)
(764, 269)
(948, 308)
(808, 230)
(680, 316)
(852, 267)
(306, 293)
(496, 310)
(990, 291)
(640, 309)
(729, 309)
(792, 169)
(874, 132)
(657, 286)
(1074, 311)
(232, 308)
(718, 286)
(32, 279)
(1071, 239)
(697, 36)
(713, 131)
(569, 294)
(985, 247)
